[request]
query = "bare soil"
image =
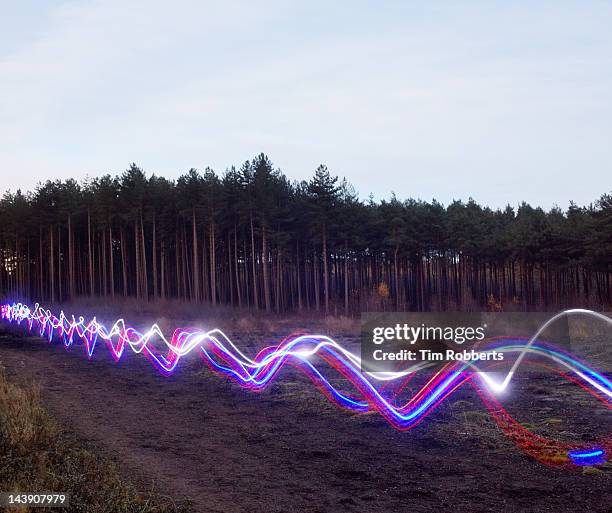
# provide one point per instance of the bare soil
(287, 450)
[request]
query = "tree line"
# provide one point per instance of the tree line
(253, 239)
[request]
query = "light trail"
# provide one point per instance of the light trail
(305, 351)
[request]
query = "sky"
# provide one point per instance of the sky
(499, 101)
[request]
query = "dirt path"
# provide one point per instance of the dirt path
(284, 450)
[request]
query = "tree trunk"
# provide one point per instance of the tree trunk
(396, 278)
(59, 263)
(299, 280)
(346, 281)
(163, 270)
(237, 271)
(196, 274)
(71, 287)
(40, 262)
(103, 264)
(111, 264)
(325, 271)
(145, 281)
(315, 268)
(124, 262)
(90, 254)
(253, 262)
(213, 266)
(264, 262)
(138, 262)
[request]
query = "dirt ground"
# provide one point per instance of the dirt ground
(287, 450)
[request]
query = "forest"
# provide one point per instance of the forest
(251, 238)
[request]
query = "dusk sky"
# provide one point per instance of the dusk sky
(441, 100)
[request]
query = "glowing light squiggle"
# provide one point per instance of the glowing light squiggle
(304, 351)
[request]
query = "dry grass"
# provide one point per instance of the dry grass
(171, 313)
(36, 456)
(342, 325)
(584, 327)
(24, 423)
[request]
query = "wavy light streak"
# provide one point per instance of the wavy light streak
(369, 392)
